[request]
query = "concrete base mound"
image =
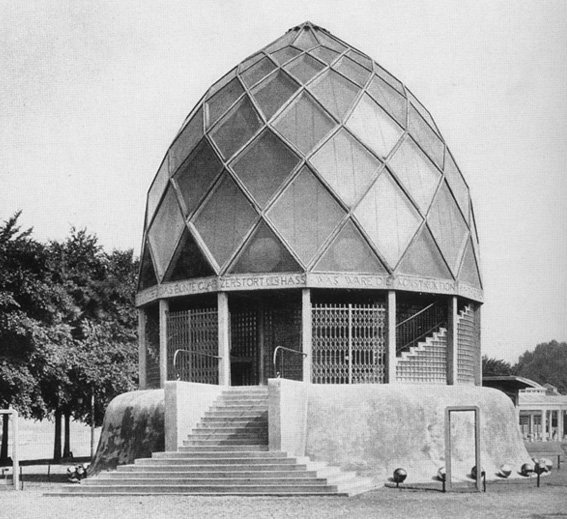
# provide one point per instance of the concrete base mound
(133, 428)
(374, 429)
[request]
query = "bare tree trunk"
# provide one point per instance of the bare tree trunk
(57, 442)
(4, 447)
(67, 445)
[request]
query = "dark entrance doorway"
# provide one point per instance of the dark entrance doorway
(258, 325)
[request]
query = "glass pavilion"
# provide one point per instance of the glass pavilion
(309, 201)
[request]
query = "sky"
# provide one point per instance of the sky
(92, 94)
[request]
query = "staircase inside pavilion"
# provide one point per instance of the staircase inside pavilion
(227, 453)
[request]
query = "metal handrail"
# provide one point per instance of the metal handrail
(198, 353)
(275, 358)
(416, 314)
(435, 327)
(432, 321)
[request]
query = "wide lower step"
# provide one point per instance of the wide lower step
(216, 482)
(203, 453)
(212, 467)
(216, 460)
(267, 473)
(264, 489)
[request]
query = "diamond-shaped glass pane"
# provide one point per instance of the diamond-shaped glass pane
(166, 230)
(304, 123)
(374, 126)
(475, 240)
(264, 165)
(325, 54)
(248, 62)
(306, 40)
(384, 74)
(272, 93)
(188, 261)
(424, 259)
(426, 137)
(346, 166)
(456, 183)
(304, 68)
(264, 252)
(224, 220)
(335, 93)
(148, 276)
(257, 71)
(284, 55)
(469, 270)
(448, 227)
(352, 70)
(156, 189)
(305, 215)
(227, 78)
(236, 128)
(223, 99)
(330, 42)
(196, 175)
(388, 98)
(388, 218)
(423, 111)
(360, 58)
(285, 40)
(349, 252)
(186, 141)
(417, 173)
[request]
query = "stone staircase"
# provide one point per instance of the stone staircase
(425, 363)
(225, 454)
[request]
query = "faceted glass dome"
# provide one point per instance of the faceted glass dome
(309, 157)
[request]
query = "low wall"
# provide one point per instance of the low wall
(376, 428)
(133, 428)
(185, 404)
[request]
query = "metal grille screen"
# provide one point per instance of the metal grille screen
(467, 351)
(349, 344)
(193, 334)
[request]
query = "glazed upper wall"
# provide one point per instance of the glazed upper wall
(309, 157)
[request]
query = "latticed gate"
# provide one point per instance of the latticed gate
(192, 342)
(348, 343)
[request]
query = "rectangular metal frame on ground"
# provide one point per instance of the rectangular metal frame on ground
(15, 461)
(458, 409)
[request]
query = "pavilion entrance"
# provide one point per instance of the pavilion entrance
(258, 325)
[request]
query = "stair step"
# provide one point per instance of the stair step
(203, 453)
(215, 460)
(217, 482)
(221, 474)
(223, 448)
(213, 434)
(272, 489)
(213, 467)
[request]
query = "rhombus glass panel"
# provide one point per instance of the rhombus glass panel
(416, 172)
(384, 74)
(305, 40)
(284, 55)
(448, 227)
(286, 39)
(330, 42)
(304, 68)
(305, 214)
(388, 218)
(196, 175)
(225, 219)
(422, 111)
(361, 59)
(424, 259)
(156, 189)
(148, 276)
(222, 82)
(264, 165)
(188, 261)
(236, 128)
(426, 137)
(390, 99)
(186, 141)
(166, 230)
(469, 270)
(252, 60)
(335, 93)
(273, 92)
(457, 183)
(352, 70)
(325, 54)
(349, 252)
(346, 165)
(374, 126)
(264, 252)
(304, 123)
(223, 99)
(257, 71)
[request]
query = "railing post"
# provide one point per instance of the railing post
(452, 348)
(141, 348)
(163, 309)
(306, 333)
(224, 338)
(391, 356)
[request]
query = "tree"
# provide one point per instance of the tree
(546, 364)
(494, 367)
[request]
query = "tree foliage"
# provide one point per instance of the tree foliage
(546, 364)
(494, 367)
